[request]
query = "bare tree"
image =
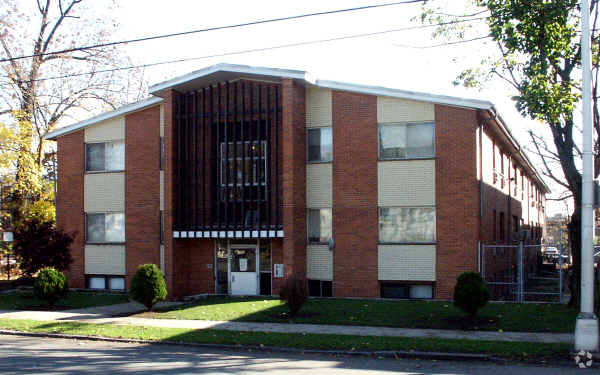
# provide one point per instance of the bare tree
(40, 92)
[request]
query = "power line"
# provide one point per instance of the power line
(444, 44)
(213, 29)
(252, 50)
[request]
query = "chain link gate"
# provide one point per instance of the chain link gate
(518, 273)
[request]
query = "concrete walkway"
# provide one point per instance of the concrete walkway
(116, 314)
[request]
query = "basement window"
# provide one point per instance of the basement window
(105, 156)
(104, 282)
(406, 291)
(320, 288)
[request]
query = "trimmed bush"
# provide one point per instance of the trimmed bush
(50, 286)
(293, 293)
(148, 286)
(470, 293)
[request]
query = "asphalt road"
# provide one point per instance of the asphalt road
(33, 355)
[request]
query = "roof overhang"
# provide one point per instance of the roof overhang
(215, 74)
(126, 109)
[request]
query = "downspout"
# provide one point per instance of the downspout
(54, 178)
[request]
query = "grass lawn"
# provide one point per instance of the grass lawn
(514, 350)
(406, 314)
(23, 300)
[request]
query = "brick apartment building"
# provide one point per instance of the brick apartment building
(232, 177)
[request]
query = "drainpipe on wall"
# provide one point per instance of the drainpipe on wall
(54, 178)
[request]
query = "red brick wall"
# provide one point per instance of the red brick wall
(457, 196)
(293, 170)
(142, 189)
(355, 217)
(69, 200)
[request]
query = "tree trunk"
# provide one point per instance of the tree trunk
(575, 239)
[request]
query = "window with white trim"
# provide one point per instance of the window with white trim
(399, 141)
(105, 228)
(407, 224)
(105, 156)
(319, 225)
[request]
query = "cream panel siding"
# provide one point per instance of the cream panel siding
(104, 192)
(406, 262)
(402, 110)
(318, 107)
(109, 130)
(162, 120)
(318, 185)
(319, 262)
(105, 260)
(406, 183)
(162, 190)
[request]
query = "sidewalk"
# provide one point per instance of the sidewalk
(113, 314)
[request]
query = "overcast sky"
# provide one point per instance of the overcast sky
(384, 60)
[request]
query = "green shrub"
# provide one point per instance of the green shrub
(50, 286)
(148, 286)
(293, 293)
(470, 293)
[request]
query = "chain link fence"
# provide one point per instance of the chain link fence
(519, 273)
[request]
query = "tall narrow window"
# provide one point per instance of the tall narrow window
(494, 226)
(320, 145)
(161, 227)
(502, 224)
(494, 172)
(319, 225)
(162, 154)
(406, 141)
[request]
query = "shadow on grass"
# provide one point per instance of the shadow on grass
(381, 313)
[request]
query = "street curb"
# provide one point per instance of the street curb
(354, 353)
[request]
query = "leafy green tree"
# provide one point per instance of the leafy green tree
(538, 54)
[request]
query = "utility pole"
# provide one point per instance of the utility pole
(586, 328)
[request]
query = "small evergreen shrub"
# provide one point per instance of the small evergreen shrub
(470, 293)
(148, 286)
(293, 293)
(50, 286)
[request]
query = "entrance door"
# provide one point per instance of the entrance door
(244, 276)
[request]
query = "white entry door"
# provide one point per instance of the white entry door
(243, 267)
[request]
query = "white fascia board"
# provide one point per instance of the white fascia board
(231, 68)
(403, 94)
(104, 116)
